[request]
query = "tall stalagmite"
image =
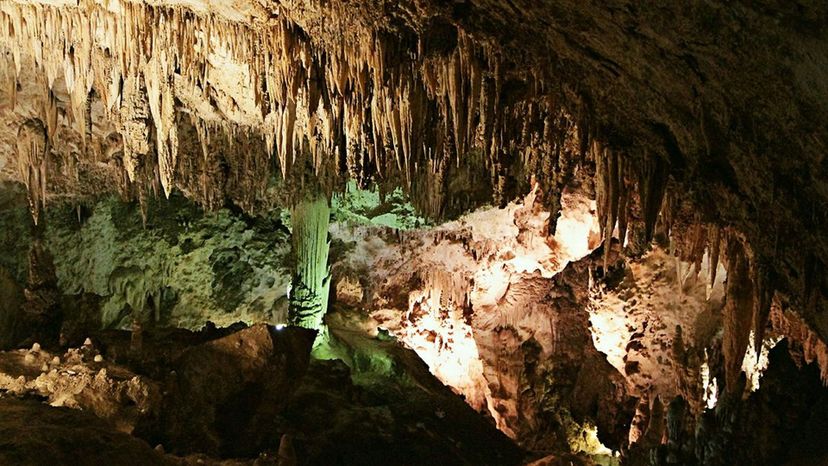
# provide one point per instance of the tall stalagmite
(311, 276)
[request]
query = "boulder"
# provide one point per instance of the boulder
(225, 393)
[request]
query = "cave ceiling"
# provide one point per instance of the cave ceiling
(709, 114)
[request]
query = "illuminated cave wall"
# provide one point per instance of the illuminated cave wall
(355, 206)
(183, 266)
(656, 324)
(14, 235)
(183, 269)
(478, 298)
(455, 291)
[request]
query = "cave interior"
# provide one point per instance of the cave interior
(413, 232)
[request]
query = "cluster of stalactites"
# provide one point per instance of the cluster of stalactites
(796, 330)
(444, 290)
(748, 294)
(749, 289)
(617, 179)
(612, 193)
(371, 109)
(130, 56)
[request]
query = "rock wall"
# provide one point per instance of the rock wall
(490, 304)
(183, 269)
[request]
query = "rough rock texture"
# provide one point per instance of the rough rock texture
(499, 309)
(81, 379)
(564, 370)
(242, 393)
(460, 102)
(11, 300)
(33, 433)
(38, 317)
(214, 392)
(17, 235)
(656, 323)
(484, 302)
(36, 434)
(693, 123)
(224, 393)
(780, 423)
(385, 407)
(806, 347)
(179, 266)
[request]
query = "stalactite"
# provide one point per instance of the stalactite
(714, 244)
(32, 153)
(161, 103)
(135, 117)
(612, 193)
(652, 183)
(603, 194)
(737, 312)
(50, 115)
(623, 206)
(762, 304)
(695, 245)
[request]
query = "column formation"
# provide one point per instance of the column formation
(311, 273)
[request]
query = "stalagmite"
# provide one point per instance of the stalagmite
(311, 275)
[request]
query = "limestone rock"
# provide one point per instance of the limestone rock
(74, 437)
(224, 394)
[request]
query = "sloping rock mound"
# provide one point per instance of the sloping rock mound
(213, 392)
(32, 433)
(155, 352)
(225, 393)
(387, 409)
